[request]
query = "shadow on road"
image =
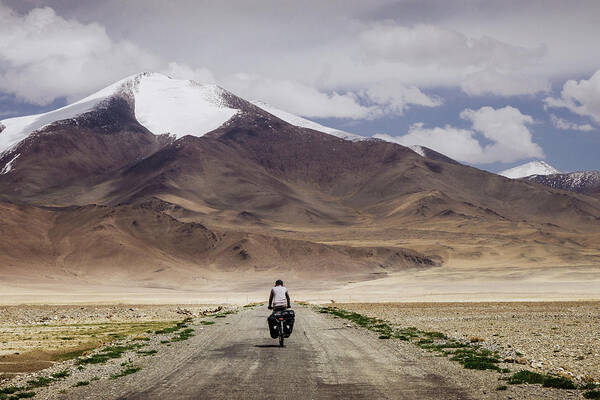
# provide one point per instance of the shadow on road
(266, 345)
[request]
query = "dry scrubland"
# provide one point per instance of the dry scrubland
(34, 337)
(554, 337)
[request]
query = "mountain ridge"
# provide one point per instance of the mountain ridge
(291, 198)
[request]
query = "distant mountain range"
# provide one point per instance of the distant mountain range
(154, 179)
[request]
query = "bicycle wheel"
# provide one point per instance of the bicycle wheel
(281, 334)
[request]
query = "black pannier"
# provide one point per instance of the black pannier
(288, 323)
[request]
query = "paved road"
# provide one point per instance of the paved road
(323, 359)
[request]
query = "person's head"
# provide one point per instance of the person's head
(278, 282)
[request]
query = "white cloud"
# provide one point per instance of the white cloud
(394, 98)
(353, 59)
(479, 65)
(44, 56)
(581, 98)
(505, 129)
(508, 83)
(183, 71)
(298, 98)
(565, 125)
(459, 144)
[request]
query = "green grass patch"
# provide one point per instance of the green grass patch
(183, 335)
(443, 346)
(107, 354)
(476, 358)
(223, 314)
(81, 383)
(525, 376)
(39, 382)
(20, 395)
(11, 389)
(592, 394)
(147, 352)
(501, 387)
(558, 382)
(125, 372)
(435, 335)
(174, 328)
(61, 374)
(589, 386)
(207, 322)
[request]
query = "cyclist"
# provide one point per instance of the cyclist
(280, 298)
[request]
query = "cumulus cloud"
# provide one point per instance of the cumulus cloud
(459, 144)
(352, 59)
(394, 98)
(299, 98)
(565, 125)
(44, 56)
(508, 138)
(581, 98)
(479, 65)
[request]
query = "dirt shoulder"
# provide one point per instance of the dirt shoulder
(549, 337)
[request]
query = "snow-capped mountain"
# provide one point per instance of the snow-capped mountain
(587, 182)
(171, 173)
(162, 105)
(528, 169)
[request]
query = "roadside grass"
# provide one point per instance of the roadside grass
(101, 334)
(127, 371)
(524, 376)
(470, 354)
(183, 335)
(592, 394)
(107, 354)
(174, 328)
(39, 382)
(147, 352)
(62, 374)
(20, 395)
(589, 386)
(476, 358)
(223, 314)
(22, 392)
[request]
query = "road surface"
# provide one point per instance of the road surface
(323, 359)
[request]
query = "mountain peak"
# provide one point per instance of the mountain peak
(537, 167)
(162, 104)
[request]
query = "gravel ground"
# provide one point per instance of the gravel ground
(551, 337)
(133, 351)
(164, 361)
(36, 337)
(81, 314)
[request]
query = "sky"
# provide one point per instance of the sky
(492, 84)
